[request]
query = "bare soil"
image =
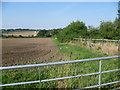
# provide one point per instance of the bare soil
(29, 51)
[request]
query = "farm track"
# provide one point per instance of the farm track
(28, 51)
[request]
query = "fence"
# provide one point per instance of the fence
(96, 39)
(61, 78)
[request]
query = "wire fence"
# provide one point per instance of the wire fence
(96, 39)
(100, 59)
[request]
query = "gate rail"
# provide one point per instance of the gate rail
(65, 62)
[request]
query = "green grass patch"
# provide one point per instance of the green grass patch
(75, 52)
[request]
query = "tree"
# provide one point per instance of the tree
(117, 28)
(42, 33)
(94, 33)
(73, 30)
(107, 30)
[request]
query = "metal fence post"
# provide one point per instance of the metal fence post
(99, 82)
(39, 73)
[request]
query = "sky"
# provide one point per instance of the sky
(49, 15)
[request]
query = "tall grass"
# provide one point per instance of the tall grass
(48, 72)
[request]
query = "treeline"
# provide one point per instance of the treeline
(106, 30)
(14, 30)
(48, 33)
(78, 29)
(20, 36)
(41, 33)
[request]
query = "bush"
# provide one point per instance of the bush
(73, 30)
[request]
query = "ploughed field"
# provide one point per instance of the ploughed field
(28, 51)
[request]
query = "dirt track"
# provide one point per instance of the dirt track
(28, 50)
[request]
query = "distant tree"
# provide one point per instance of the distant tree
(55, 31)
(20, 36)
(48, 34)
(42, 33)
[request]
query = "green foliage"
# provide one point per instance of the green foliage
(106, 30)
(94, 33)
(48, 33)
(76, 52)
(42, 33)
(15, 30)
(73, 30)
(20, 36)
(117, 29)
(78, 29)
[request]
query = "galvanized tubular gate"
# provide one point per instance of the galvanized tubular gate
(65, 62)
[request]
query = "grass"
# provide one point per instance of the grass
(70, 53)
(75, 52)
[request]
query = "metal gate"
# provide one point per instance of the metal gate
(61, 78)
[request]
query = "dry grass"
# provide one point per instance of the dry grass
(109, 48)
(22, 33)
